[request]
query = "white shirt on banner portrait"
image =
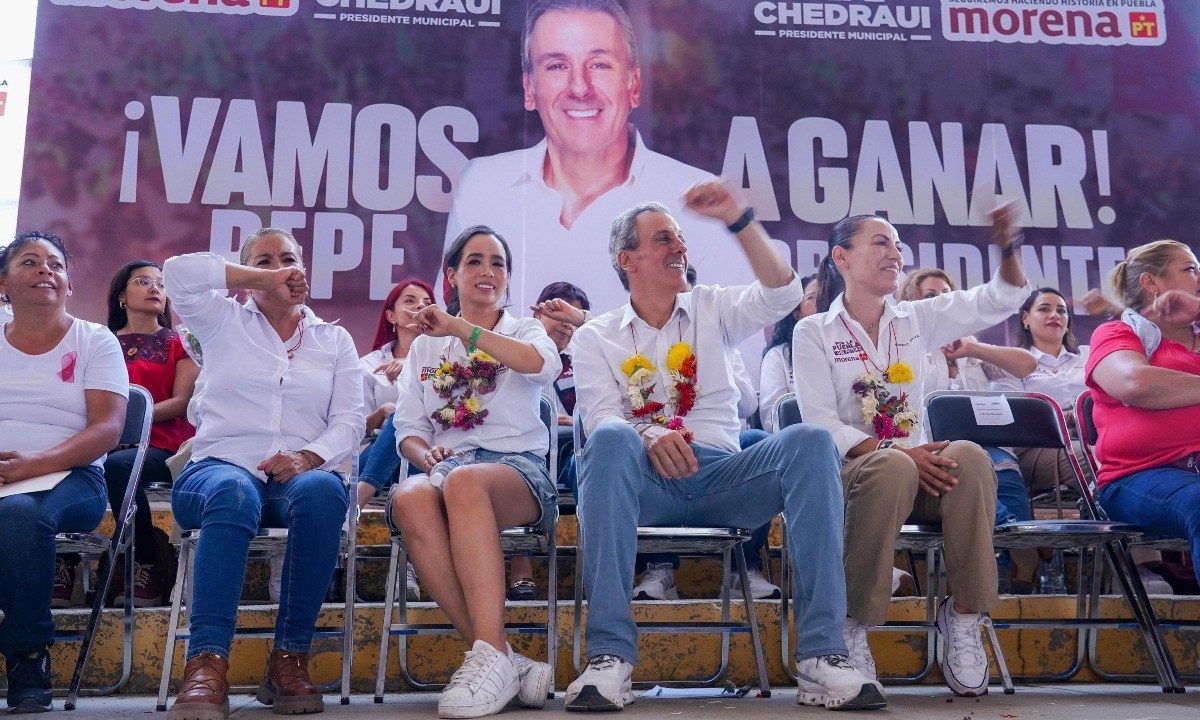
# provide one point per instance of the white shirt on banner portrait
(256, 401)
(828, 352)
(713, 320)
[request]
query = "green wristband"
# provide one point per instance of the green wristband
(474, 337)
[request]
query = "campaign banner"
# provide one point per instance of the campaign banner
(376, 130)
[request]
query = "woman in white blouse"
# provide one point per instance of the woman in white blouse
(470, 393)
(282, 409)
(63, 391)
(860, 367)
(1046, 332)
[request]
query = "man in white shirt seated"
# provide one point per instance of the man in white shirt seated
(659, 407)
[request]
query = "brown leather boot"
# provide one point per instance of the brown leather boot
(286, 686)
(205, 691)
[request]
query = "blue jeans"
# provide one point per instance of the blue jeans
(1164, 501)
(28, 524)
(229, 504)
(1012, 499)
(795, 471)
(379, 463)
(758, 539)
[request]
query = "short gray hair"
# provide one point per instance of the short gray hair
(624, 233)
(612, 8)
(248, 243)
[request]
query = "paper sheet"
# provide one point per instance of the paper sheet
(34, 484)
(992, 410)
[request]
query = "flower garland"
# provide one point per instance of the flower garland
(890, 416)
(460, 383)
(681, 364)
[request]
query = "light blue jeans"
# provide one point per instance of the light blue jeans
(795, 471)
(229, 504)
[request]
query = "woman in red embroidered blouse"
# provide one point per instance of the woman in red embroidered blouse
(140, 316)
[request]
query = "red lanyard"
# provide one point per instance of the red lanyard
(864, 357)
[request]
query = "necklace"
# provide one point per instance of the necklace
(299, 341)
(869, 328)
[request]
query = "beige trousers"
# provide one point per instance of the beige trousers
(882, 492)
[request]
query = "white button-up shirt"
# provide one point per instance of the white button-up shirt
(775, 381)
(713, 320)
(1062, 377)
(513, 423)
(256, 401)
(826, 356)
(377, 389)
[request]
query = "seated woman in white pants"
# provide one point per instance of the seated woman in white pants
(470, 393)
(859, 366)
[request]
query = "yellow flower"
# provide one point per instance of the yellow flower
(899, 373)
(481, 356)
(471, 404)
(634, 362)
(444, 369)
(677, 354)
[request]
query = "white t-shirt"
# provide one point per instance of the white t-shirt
(42, 400)
(513, 423)
(1062, 377)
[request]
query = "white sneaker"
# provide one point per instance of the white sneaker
(1153, 582)
(604, 685)
(658, 583)
(412, 590)
(536, 680)
(483, 685)
(964, 662)
(855, 635)
(760, 587)
(275, 585)
(831, 681)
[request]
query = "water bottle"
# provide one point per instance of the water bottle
(438, 473)
(1053, 575)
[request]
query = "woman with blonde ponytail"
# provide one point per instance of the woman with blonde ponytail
(1144, 373)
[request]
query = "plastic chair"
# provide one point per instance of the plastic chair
(1037, 421)
(727, 542)
(537, 540)
(90, 546)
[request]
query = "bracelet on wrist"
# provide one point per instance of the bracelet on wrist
(885, 444)
(742, 222)
(1009, 251)
(474, 338)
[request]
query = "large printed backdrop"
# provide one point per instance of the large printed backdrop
(165, 126)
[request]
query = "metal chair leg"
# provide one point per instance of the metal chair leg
(760, 662)
(182, 579)
(386, 636)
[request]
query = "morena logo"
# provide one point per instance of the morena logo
(276, 8)
(1065, 22)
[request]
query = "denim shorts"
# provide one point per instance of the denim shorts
(532, 469)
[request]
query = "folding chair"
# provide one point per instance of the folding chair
(926, 539)
(266, 543)
(1085, 427)
(537, 540)
(1037, 421)
(727, 542)
(91, 547)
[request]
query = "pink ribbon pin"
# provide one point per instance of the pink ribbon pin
(68, 367)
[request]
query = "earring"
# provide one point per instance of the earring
(122, 304)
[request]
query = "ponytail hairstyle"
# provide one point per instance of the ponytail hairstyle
(1124, 280)
(828, 274)
(454, 256)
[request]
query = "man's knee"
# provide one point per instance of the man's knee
(974, 464)
(806, 438)
(605, 456)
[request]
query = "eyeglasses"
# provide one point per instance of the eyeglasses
(143, 281)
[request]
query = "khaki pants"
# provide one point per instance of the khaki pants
(881, 491)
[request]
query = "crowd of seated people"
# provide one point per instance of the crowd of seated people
(665, 404)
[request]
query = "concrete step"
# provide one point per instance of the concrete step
(676, 656)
